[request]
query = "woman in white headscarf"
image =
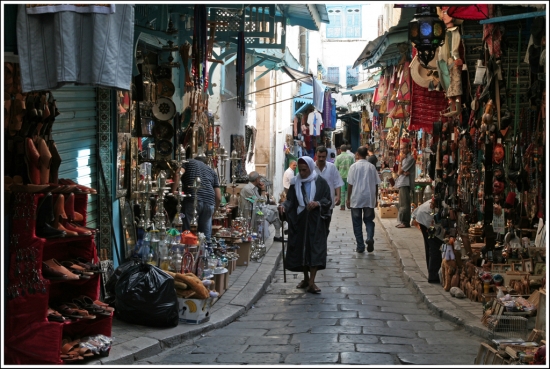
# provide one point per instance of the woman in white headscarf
(306, 207)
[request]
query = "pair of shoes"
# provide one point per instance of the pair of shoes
(303, 284)
(54, 316)
(52, 269)
(360, 251)
(313, 289)
(370, 245)
(278, 239)
(401, 225)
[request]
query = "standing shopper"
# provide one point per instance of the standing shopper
(289, 174)
(403, 182)
(422, 216)
(306, 207)
(329, 172)
(363, 181)
(208, 195)
(342, 163)
(253, 190)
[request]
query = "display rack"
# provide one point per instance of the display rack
(30, 338)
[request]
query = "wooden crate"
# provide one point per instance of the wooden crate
(388, 211)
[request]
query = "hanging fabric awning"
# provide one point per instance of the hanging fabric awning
(318, 87)
(363, 88)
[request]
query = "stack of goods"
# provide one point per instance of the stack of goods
(188, 285)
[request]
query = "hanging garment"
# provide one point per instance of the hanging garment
(315, 121)
(295, 124)
(69, 47)
(327, 110)
(333, 114)
(78, 8)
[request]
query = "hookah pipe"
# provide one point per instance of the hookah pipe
(194, 222)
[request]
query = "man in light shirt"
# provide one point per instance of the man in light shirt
(348, 151)
(404, 182)
(343, 162)
(363, 181)
(330, 173)
(289, 174)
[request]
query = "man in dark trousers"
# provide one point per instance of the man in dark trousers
(404, 183)
(208, 196)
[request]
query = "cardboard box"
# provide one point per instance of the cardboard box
(388, 211)
(244, 253)
(194, 311)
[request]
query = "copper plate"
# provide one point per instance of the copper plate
(165, 88)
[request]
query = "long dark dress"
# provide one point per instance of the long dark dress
(315, 238)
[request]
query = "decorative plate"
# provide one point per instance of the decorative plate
(164, 147)
(165, 88)
(163, 130)
(164, 109)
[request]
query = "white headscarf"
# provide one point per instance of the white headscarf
(298, 180)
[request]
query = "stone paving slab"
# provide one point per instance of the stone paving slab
(363, 295)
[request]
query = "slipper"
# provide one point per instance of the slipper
(73, 311)
(73, 347)
(55, 316)
(302, 284)
(402, 226)
(313, 289)
(87, 304)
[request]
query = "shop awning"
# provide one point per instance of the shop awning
(363, 88)
(386, 49)
(309, 16)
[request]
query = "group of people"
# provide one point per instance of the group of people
(350, 182)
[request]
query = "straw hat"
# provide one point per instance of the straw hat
(423, 76)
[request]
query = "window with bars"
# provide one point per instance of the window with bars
(345, 22)
(352, 76)
(333, 75)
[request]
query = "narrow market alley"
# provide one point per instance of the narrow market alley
(364, 315)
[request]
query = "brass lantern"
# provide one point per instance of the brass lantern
(427, 32)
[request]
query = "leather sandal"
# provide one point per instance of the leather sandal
(74, 228)
(54, 316)
(104, 305)
(76, 268)
(88, 304)
(90, 266)
(74, 311)
(55, 266)
(75, 347)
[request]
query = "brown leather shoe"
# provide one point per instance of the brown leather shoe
(72, 215)
(45, 160)
(59, 207)
(74, 228)
(56, 162)
(32, 157)
(55, 266)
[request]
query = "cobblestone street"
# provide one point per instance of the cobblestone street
(364, 315)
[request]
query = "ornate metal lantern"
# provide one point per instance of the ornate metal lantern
(427, 32)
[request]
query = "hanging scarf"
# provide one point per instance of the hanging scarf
(298, 180)
(199, 47)
(240, 71)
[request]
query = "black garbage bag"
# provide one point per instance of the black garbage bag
(146, 295)
(113, 279)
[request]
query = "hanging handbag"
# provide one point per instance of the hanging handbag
(480, 73)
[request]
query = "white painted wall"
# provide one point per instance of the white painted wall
(341, 52)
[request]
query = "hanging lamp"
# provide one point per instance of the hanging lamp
(426, 32)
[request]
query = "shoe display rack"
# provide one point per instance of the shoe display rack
(30, 338)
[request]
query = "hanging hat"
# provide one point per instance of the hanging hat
(423, 76)
(510, 199)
